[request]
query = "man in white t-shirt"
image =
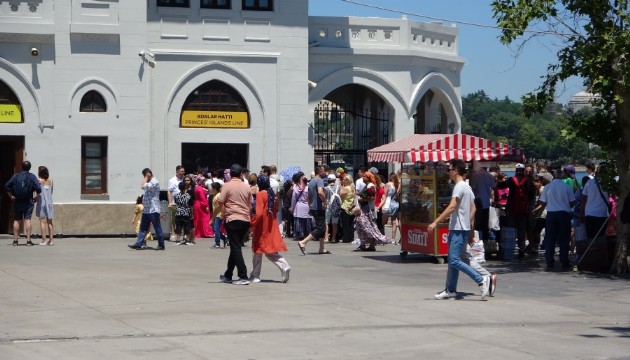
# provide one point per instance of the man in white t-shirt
(273, 183)
(360, 185)
(594, 209)
(173, 189)
(461, 209)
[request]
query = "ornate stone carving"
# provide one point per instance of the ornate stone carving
(323, 32)
(372, 34)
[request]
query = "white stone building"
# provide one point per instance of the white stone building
(97, 90)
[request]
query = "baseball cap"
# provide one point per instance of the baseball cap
(332, 177)
(520, 166)
(373, 170)
(570, 169)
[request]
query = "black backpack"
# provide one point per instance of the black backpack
(22, 187)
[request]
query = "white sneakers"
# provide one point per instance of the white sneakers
(285, 275)
(485, 287)
(444, 295)
(241, 282)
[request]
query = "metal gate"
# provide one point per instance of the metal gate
(342, 136)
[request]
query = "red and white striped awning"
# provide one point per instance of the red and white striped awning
(443, 147)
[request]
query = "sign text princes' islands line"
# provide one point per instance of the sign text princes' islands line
(215, 119)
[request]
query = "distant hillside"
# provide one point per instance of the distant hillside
(540, 136)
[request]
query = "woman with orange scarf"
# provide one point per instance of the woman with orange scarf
(364, 222)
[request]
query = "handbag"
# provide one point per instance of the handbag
(387, 204)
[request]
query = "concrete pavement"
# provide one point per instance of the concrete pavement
(97, 299)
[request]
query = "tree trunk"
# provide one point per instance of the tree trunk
(621, 259)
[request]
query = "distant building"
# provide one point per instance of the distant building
(580, 101)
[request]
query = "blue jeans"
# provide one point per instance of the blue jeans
(145, 221)
(457, 240)
(557, 229)
(216, 227)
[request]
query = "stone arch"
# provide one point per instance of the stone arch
(216, 71)
(99, 85)
(23, 89)
(444, 94)
(360, 76)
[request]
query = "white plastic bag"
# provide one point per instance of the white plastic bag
(493, 221)
(477, 251)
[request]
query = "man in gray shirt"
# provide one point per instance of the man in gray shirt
(317, 202)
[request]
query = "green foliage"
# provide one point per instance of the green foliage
(594, 45)
(596, 42)
(542, 136)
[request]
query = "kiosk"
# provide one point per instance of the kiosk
(425, 187)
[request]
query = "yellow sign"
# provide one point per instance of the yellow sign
(10, 113)
(215, 119)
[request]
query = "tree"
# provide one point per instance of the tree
(594, 45)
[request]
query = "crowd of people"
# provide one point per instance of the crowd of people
(234, 206)
(543, 197)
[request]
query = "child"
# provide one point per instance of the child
(136, 220)
(217, 216)
(183, 211)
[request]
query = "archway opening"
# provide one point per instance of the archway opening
(347, 122)
(214, 104)
(432, 115)
(10, 106)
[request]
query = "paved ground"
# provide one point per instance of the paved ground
(96, 299)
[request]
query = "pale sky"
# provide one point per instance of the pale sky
(490, 65)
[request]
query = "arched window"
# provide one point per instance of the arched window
(93, 101)
(215, 104)
(10, 107)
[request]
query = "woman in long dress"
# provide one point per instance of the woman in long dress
(347, 195)
(45, 209)
(266, 239)
(201, 210)
(300, 208)
(364, 222)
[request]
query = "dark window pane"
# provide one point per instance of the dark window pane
(93, 165)
(216, 4)
(173, 3)
(258, 5)
(92, 101)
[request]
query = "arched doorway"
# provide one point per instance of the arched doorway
(11, 150)
(211, 106)
(436, 108)
(347, 122)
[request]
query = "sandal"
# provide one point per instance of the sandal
(302, 249)
(15, 243)
(29, 243)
